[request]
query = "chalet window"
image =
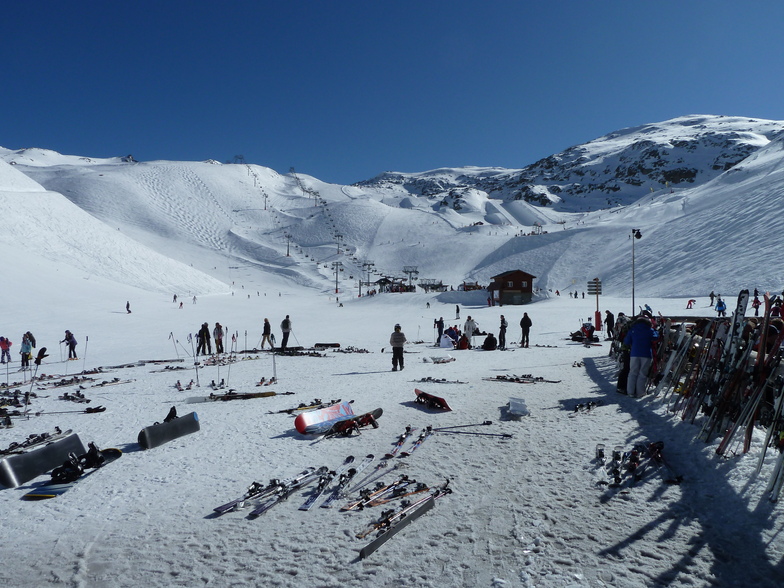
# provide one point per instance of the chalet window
(524, 283)
(510, 284)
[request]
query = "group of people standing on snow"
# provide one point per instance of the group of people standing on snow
(25, 349)
(204, 339)
(205, 336)
(28, 345)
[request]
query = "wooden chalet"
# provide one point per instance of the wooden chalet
(512, 287)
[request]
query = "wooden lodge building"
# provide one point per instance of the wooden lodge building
(512, 287)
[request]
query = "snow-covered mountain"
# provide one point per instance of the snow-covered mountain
(201, 226)
(51, 235)
(616, 169)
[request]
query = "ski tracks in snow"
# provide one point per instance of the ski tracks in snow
(190, 214)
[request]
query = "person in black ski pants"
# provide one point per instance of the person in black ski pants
(609, 321)
(502, 334)
(525, 325)
(204, 340)
(285, 327)
(71, 340)
(397, 339)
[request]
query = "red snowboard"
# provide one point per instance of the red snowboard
(431, 401)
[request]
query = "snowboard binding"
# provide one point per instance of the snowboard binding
(70, 471)
(73, 468)
(171, 416)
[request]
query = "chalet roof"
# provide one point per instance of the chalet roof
(511, 272)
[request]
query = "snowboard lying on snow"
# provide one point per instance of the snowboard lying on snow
(73, 471)
(171, 428)
(345, 425)
(431, 401)
(322, 415)
(338, 419)
(15, 470)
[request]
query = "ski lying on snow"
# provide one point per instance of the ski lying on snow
(284, 492)
(400, 441)
(395, 522)
(345, 478)
(257, 491)
(34, 441)
(232, 395)
(524, 379)
(324, 481)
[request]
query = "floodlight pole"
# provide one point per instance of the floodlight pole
(635, 235)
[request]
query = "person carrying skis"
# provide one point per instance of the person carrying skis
(71, 340)
(217, 334)
(266, 333)
(285, 327)
(639, 340)
(502, 334)
(397, 340)
(5, 346)
(525, 325)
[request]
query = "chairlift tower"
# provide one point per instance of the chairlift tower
(367, 266)
(337, 267)
(411, 271)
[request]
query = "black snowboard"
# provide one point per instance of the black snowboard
(15, 470)
(161, 433)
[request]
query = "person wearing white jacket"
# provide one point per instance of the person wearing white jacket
(397, 339)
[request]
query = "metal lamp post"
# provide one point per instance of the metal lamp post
(636, 234)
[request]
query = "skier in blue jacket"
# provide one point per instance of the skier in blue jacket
(639, 339)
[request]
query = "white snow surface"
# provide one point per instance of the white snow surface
(525, 511)
(81, 237)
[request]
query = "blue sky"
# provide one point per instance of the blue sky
(344, 90)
